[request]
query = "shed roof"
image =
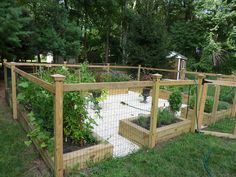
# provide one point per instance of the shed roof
(176, 55)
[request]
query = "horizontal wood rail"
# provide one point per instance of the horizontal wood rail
(221, 82)
(176, 82)
(107, 85)
(157, 69)
(36, 80)
(8, 65)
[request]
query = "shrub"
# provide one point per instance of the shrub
(165, 117)
(227, 94)
(77, 123)
(208, 105)
(175, 101)
(223, 105)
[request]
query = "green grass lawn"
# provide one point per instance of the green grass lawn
(225, 125)
(182, 157)
(16, 159)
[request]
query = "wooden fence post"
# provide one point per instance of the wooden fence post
(5, 73)
(154, 110)
(108, 67)
(58, 124)
(202, 105)
(216, 103)
(233, 109)
(139, 71)
(182, 73)
(65, 63)
(13, 88)
(196, 107)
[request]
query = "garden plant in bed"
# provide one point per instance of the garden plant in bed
(166, 115)
(168, 125)
(77, 123)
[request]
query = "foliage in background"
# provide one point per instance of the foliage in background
(113, 77)
(77, 123)
(128, 31)
(209, 104)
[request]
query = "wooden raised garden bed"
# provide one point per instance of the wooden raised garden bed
(207, 117)
(78, 159)
(140, 135)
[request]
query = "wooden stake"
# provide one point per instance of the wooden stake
(65, 64)
(13, 87)
(58, 124)
(196, 107)
(139, 71)
(216, 103)
(154, 110)
(202, 105)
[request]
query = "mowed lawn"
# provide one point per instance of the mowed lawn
(190, 155)
(16, 159)
(225, 125)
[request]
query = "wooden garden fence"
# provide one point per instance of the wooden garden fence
(59, 87)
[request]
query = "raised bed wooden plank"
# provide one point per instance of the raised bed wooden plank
(140, 135)
(77, 159)
(219, 134)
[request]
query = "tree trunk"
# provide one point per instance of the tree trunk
(107, 46)
(124, 34)
(39, 58)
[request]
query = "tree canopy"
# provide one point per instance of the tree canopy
(121, 31)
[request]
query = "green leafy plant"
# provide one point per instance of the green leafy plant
(77, 123)
(165, 117)
(175, 101)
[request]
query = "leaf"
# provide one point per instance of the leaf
(28, 143)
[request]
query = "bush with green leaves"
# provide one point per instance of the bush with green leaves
(209, 104)
(77, 124)
(165, 117)
(175, 101)
(227, 94)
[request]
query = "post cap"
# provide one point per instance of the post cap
(4, 60)
(201, 75)
(156, 76)
(58, 77)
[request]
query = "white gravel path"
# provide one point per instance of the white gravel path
(112, 111)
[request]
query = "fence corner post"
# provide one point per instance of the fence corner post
(58, 124)
(139, 71)
(13, 87)
(196, 107)
(154, 110)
